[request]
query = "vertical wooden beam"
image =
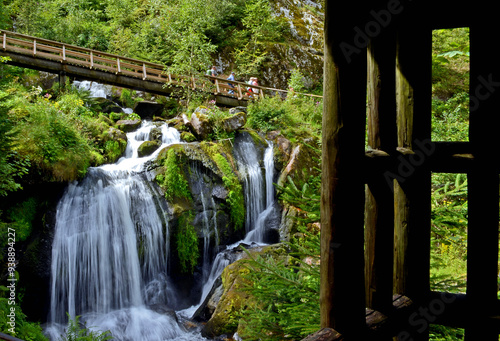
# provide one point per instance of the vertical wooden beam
(412, 186)
(34, 47)
(64, 53)
(379, 202)
(483, 181)
(91, 59)
(342, 299)
(144, 74)
(4, 43)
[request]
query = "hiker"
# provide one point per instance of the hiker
(231, 78)
(255, 82)
(212, 72)
(249, 89)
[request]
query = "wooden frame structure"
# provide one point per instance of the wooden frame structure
(375, 206)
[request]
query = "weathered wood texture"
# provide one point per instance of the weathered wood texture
(412, 186)
(342, 196)
(379, 197)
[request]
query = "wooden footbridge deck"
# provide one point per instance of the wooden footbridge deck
(82, 63)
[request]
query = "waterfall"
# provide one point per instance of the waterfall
(257, 233)
(248, 165)
(109, 254)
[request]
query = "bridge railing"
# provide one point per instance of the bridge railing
(97, 60)
(240, 90)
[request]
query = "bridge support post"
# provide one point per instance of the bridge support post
(62, 79)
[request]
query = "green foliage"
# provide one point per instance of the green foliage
(174, 181)
(449, 232)
(235, 197)
(11, 166)
(28, 331)
(76, 332)
(22, 216)
(296, 117)
(286, 292)
(296, 81)
(187, 243)
(216, 118)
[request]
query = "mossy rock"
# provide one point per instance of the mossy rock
(128, 125)
(235, 298)
(148, 147)
(187, 136)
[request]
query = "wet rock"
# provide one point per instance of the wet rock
(237, 110)
(128, 125)
(148, 147)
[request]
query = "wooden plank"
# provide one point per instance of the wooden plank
(379, 202)
(342, 302)
(412, 184)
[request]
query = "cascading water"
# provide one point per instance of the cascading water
(257, 234)
(109, 252)
(256, 214)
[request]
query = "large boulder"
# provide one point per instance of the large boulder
(128, 125)
(234, 122)
(200, 123)
(148, 109)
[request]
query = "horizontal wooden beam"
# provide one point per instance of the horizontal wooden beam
(440, 157)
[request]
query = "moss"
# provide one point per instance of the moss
(187, 243)
(174, 181)
(188, 137)
(147, 148)
(235, 196)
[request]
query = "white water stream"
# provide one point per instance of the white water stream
(109, 254)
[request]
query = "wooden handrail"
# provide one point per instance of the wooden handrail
(112, 63)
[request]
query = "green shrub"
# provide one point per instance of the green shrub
(285, 292)
(77, 332)
(24, 330)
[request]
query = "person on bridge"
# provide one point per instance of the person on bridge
(231, 78)
(212, 72)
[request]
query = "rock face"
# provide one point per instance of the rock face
(148, 109)
(225, 318)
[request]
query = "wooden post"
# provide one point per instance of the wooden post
(64, 53)
(483, 183)
(91, 59)
(240, 94)
(342, 298)
(413, 178)
(379, 202)
(34, 47)
(4, 43)
(118, 68)
(144, 74)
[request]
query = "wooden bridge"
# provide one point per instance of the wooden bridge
(82, 63)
